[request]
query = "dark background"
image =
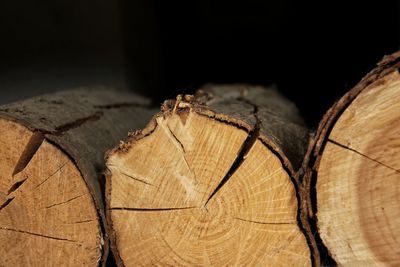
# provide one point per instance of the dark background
(314, 52)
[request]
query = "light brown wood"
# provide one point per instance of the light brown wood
(51, 185)
(167, 205)
(358, 182)
(47, 215)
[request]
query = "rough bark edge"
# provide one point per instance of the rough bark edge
(167, 108)
(112, 239)
(186, 103)
(269, 104)
(99, 215)
(50, 135)
(180, 106)
(307, 175)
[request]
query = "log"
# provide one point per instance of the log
(51, 155)
(353, 173)
(209, 181)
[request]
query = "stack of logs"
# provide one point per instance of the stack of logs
(228, 177)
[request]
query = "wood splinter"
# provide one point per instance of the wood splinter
(208, 182)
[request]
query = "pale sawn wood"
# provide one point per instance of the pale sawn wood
(51, 157)
(358, 181)
(174, 197)
(350, 187)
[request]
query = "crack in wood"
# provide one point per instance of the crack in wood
(28, 153)
(244, 150)
(76, 123)
(183, 152)
(40, 235)
(189, 185)
(151, 209)
(59, 130)
(176, 138)
(64, 202)
(6, 203)
(30, 150)
(78, 222)
(122, 105)
(363, 155)
(15, 186)
(273, 223)
(137, 179)
(51, 175)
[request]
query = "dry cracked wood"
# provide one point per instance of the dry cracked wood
(356, 176)
(51, 151)
(208, 182)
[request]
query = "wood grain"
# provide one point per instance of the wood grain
(51, 157)
(350, 187)
(202, 186)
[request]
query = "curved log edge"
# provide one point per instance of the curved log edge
(83, 123)
(307, 174)
(263, 114)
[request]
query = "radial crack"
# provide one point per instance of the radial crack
(152, 210)
(244, 150)
(78, 222)
(275, 223)
(136, 179)
(15, 186)
(176, 139)
(355, 151)
(51, 175)
(30, 150)
(39, 235)
(6, 203)
(64, 202)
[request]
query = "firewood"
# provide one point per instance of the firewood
(209, 181)
(354, 173)
(51, 152)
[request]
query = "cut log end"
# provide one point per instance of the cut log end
(47, 214)
(195, 190)
(358, 179)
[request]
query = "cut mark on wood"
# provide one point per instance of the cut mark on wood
(30, 150)
(75, 124)
(39, 235)
(152, 210)
(244, 150)
(276, 223)
(6, 203)
(137, 179)
(64, 202)
(361, 154)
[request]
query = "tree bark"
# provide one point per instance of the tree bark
(210, 181)
(52, 155)
(351, 174)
